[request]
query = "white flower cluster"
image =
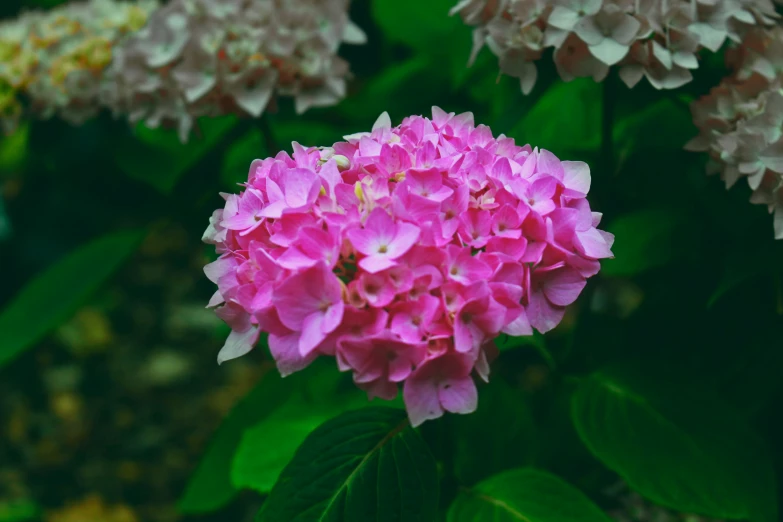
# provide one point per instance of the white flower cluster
(741, 121)
(55, 62)
(656, 39)
(208, 57)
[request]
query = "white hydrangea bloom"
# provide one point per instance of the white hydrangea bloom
(54, 62)
(656, 39)
(211, 57)
(741, 121)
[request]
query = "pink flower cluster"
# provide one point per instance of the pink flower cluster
(404, 252)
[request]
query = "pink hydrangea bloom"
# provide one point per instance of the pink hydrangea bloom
(404, 252)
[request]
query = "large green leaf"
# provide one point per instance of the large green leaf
(679, 449)
(157, 157)
(566, 118)
(363, 465)
(53, 295)
(427, 28)
(268, 446)
(524, 495)
(210, 485)
(644, 240)
(423, 26)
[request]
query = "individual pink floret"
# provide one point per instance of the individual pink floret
(404, 252)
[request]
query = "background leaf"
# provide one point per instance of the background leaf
(524, 495)
(504, 413)
(268, 446)
(363, 465)
(210, 485)
(565, 119)
(677, 448)
(53, 295)
(20, 511)
(158, 158)
(644, 240)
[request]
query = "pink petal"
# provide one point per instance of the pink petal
(562, 287)
(458, 395)
(592, 244)
(285, 351)
(374, 264)
(421, 399)
(543, 316)
(312, 333)
(407, 235)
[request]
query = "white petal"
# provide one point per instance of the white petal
(383, 122)
(609, 51)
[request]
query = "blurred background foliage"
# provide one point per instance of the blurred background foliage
(118, 412)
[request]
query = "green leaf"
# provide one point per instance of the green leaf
(644, 240)
(682, 450)
(566, 118)
(743, 266)
(157, 157)
(20, 511)
(308, 133)
(504, 413)
(387, 91)
(427, 28)
(363, 465)
(13, 150)
(672, 123)
(423, 26)
(210, 485)
(52, 296)
(240, 155)
(536, 341)
(268, 446)
(524, 495)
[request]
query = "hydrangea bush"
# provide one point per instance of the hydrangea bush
(404, 252)
(372, 286)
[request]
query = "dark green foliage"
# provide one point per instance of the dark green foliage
(677, 446)
(53, 295)
(363, 465)
(526, 495)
